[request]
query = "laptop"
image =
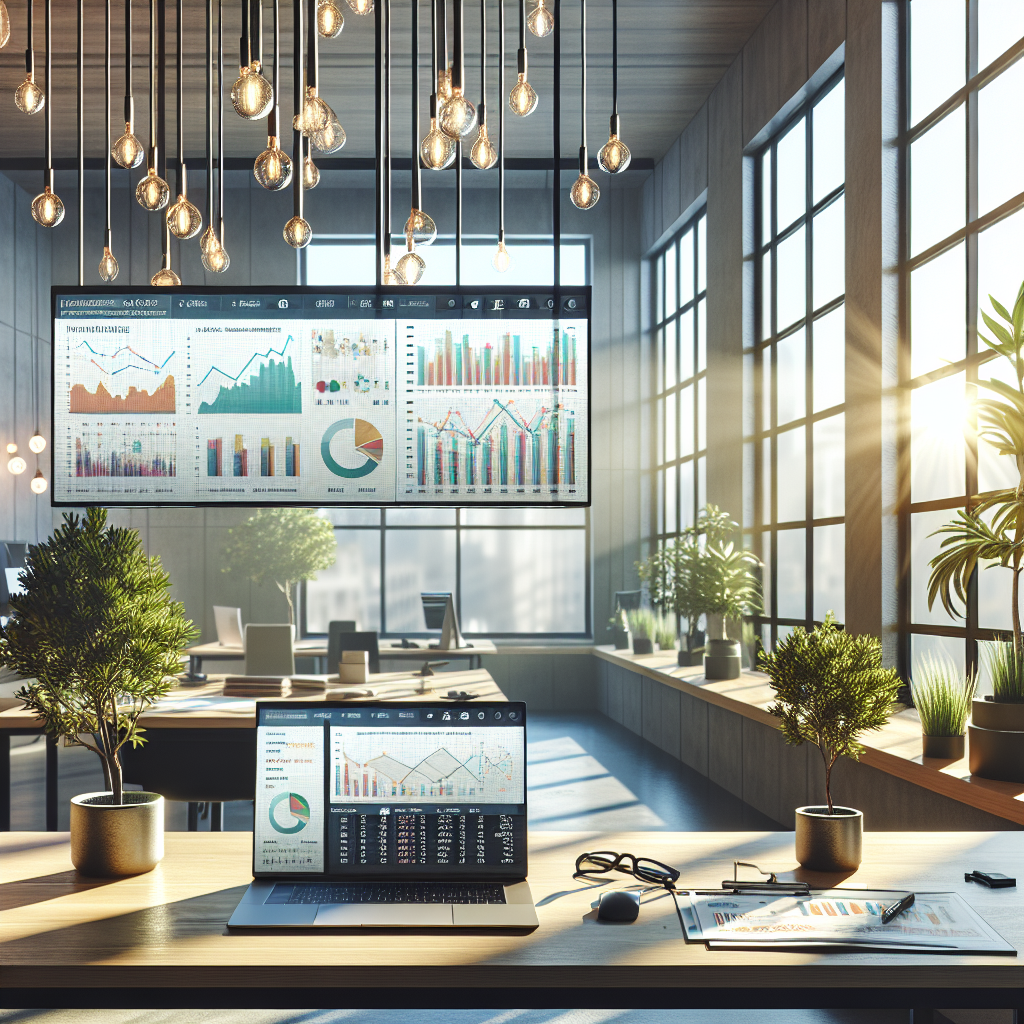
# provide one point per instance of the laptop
(228, 622)
(377, 814)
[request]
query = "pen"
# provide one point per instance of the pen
(892, 912)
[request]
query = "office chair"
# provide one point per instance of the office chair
(339, 639)
(269, 650)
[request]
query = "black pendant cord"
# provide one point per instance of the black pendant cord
(378, 128)
(182, 173)
(152, 84)
(614, 121)
(482, 109)
(161, 131)
(106, 116)
(387, 130)
(434, 65)
(81, 142)
(48, 106)
(129, 101)
(416, 190)
(245, 40)
(583, 86)
(312, 48)
(209, 116)
(521, 61)
(30, 53)
(275, 109)
(501, 121)
(458, 71)
(299, 97)
(220, 117)
(556, 134)
(256, 31)
(458, 63)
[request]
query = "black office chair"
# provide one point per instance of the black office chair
(340, 639)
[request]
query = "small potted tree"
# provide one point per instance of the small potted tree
(96, 631)
(830, 687)
(283, 546)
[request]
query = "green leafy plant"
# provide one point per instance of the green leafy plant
(704, 573)
(830, 687)
(665, 631)
(643, 623)
(942, 695)
(96, 631)
(283, 546)
(1006, 669)
(991, 529)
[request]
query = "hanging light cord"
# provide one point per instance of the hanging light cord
(296, 133)
(49, 67)
(106, 112)
(583, 86)
(482, 112)
(129, 102)
(152, 84)
(182, 181)
(30, 53)
(501, 121)
(81, 142)
(245, 40)
(522, 37)
(209, 115)
(416, 199)
(220, 115)
(272, 122)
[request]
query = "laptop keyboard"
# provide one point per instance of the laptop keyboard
(387, 892)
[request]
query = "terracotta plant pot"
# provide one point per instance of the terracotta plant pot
(829, 842)
(723, 659)
(997, 740)
(948, 748)
(108, 839)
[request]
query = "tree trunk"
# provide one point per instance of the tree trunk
(113, 769)
(286, 589)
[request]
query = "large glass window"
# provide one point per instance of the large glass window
(963, 216)
(794, 419)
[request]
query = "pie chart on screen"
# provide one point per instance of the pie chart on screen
(289, 813)
(352, 448)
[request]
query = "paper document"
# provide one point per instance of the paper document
(940, 922)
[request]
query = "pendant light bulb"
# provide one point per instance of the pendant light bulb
(37, 443)
(444, 87)
(502, 260)
(361, 6)
(5, 25)
(314, 116)
(437, 150)
(310, 174)
(458, 116)
(523, 98)
(152, 192)
(329, 19)
(209, 241)
(128, 151)
(39, 483)
(47, 209)
(410, 268)
(15, 464)
(585, 192)
(331, 137)
(483, 154)
(421, 227)
(297, 233)
(540, 20)
(273, 167)
(108, 266)
(216, 258)
(614, 155)
(28, 97)
(252, 95)
(183, 218)
(165, 277)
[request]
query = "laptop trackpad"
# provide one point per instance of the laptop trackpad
(385, 915)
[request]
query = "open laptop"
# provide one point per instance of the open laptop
(228, 622)
(381, 814)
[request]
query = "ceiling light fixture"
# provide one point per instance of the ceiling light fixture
(297, 231)
(614, 155)
(5, 25)
(183, 218)
(523, 98)
(218, 261)
(209, 244)
(389, 275)
(458, 115)
(127, 151)
(483, 154)
(361, 6)
(28, 97)
(47, 208)
(39, 483)
(252, 95)
(273, 167)
(584, 192)
(152, 192)
(541, 21)
(15, 464)
(502, 260)
(419, 227)
(437, 150)
(108, 265)
(165, 276)
(329, 19)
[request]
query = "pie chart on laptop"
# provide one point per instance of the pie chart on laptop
(289, 813)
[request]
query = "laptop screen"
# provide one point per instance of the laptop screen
(379, 790)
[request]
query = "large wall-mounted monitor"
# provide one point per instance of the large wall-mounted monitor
(317, 396)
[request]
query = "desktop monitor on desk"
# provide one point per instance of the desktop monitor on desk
(439, 613)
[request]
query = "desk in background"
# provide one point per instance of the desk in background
(160, 939)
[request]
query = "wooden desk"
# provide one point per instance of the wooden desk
(160, 939)
(314, 648)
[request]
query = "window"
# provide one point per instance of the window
(680, 356)
(963, 206)
(794, 429)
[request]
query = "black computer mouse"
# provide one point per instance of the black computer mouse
(618, 905)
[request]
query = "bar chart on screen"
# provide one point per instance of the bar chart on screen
(271, 456)
(125, 450)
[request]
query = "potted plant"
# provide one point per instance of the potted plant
(829, 687)
(665, 632)
(642, 626)
(942, 695)
(991, 530)
(283, 546)
(96, 631)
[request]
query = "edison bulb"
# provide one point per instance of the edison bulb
(584, 193)
(216, 259)
(183, 218)
(108, 265)
(502, 261)
(16, 464)
(315, 114)
(614, 155)
(329, 19)
(331, 137)
(273, 167)
(361, 6)
(36, 443)
(437, 150)
(523, 98)
(310, 174)
(540, 20)
(165, 278)
(128, 151)
(209, 241)
(458, 116)
(297, 233)
(152, 192)
(38, 483)
(29, 98)
(410, 268)
(444, 87)
(47, 208)
(5, 25)
(483, 154)
(252, 94)
(421, 227)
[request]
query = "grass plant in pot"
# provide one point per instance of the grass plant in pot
(665, 632)
(942, 695)
(829, 687)
(643, 625)
(990, 531)
(96, 632)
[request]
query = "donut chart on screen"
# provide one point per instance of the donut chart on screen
(367, 444)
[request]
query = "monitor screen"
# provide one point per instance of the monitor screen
(320, 397)
(385, 790)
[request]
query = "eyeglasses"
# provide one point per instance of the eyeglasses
(643, 868)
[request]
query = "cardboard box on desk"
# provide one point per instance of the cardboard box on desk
(354, 667)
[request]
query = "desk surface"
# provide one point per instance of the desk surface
(317, 648)
(205, 707)
(167, 929)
